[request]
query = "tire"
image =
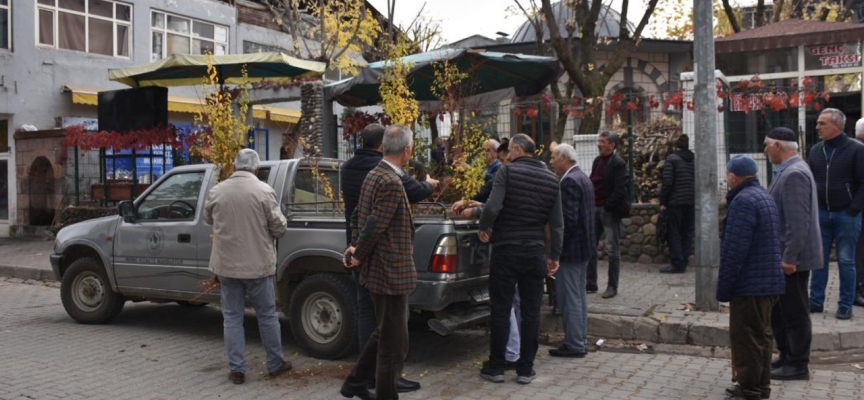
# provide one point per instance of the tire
(322, 316)
(87, 295)
(190, 304)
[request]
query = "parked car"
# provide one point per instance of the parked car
(158, 248)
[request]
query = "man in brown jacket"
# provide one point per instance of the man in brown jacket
(246, 218)
(383, 251)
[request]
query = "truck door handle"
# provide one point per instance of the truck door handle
(184, 238)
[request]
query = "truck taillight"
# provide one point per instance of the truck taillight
(444, 258)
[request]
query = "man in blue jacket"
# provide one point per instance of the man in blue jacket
(751, 276)
(837, 163)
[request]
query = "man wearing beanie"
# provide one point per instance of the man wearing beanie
(678, 200)
(794, 191)
(837, 164)
(750, 276)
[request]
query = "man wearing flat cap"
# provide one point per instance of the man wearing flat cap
(750, 276)
(837, 163)
(794, 191)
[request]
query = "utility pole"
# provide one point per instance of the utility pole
(707, 240)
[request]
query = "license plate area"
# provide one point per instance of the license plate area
(479, 295)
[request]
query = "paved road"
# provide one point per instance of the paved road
(164, 351)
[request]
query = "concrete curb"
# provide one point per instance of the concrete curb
(713, 334)
(36, 274)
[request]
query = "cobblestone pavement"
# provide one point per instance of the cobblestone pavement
(164, 351)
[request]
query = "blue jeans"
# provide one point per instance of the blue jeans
(514, 342)
(262, 296)
(842, 228)
(572, 300)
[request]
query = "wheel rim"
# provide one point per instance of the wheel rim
(322, 317)
(88, 292)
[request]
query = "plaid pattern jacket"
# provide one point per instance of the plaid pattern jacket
(383, 234)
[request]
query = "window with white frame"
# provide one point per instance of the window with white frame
(5, 24)
(92, 26)
(172, 34)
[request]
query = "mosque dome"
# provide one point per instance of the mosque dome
(607, 24)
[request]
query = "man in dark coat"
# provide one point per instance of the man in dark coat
(841, 199)
(577, 203)
(354, 172)
(859, 249)
(794, 191)
(611, 204)
(678, 201)
(750, 276)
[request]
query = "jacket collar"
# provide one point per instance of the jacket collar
(575, 167)
(242, 174)
(741, 186)
(368, 152)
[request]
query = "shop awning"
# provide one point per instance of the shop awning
(89, 96)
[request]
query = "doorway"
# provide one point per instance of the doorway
(41, 193)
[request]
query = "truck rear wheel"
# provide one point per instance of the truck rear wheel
(87, 295)
(322, 316)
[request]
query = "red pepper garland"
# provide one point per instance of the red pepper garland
(139, 140)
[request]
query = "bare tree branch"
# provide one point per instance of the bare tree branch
(846, 13)
(730, 14)
(778, 9)
(759, 18)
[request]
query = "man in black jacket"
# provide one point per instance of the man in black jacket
(611, 205)
(837, 163)
(354, 172)
(678, 201)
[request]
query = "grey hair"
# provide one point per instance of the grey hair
(495, 144)
(522, 140)
(247, 160)
(837, 117)
(611, 137)
(396, 138)
(567, 150)
(785, 144)
(859, 127)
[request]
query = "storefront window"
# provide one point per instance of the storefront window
(753, 113)
(764, 62)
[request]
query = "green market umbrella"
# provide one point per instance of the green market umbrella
(189, 70)
(488, 72)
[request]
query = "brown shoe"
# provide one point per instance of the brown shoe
(237, 377)
(285, 367)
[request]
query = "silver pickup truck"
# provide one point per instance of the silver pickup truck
(158, 247)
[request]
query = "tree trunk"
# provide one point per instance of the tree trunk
(730, 14)
(590, 124)
(560, 124)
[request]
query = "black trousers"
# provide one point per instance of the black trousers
(383, 363)
(859, 261)
(681, 223)
(790, 320)
(512, 264)
(752, 343)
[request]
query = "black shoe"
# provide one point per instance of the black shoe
(672, 270)
(778, 363)
(733, 392)
(610, 293)
(526, 379)
(490, 374)
(402, 386)
(591, 288)
(844, 313)
(567, 352)
(237, 377)
(859, 301)
(285, 367)
(816, 309)
(362, 394)
(510, 365)
(790, 373)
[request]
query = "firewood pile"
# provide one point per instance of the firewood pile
(653, 141)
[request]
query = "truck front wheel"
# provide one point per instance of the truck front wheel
(86, 293)
(322, 316)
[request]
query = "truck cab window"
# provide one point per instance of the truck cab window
(316, 193)
(174, 199)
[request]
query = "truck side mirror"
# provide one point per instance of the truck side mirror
(127, 211)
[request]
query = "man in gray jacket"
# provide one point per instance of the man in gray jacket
(794, 190)
(246, 218)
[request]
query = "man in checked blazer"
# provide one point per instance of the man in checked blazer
(383, 251)
(794, 190)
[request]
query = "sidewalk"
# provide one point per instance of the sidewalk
(650, 307)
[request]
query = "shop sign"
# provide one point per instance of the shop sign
(832, 56)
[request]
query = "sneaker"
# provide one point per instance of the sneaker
(610, 293)
(844, 313)
(790, 373)
(732, 392)
(526, 379)
(778, 363)
(237, 377)
(490, 374)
